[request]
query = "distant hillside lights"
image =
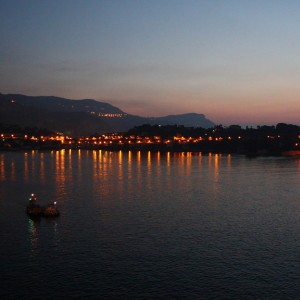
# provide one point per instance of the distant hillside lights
(108, 115)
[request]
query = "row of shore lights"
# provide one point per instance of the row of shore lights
(62, 138)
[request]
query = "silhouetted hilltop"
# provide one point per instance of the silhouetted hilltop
(57, 104)
(188, 120)
(81, 117)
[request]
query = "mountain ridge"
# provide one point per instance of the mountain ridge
(82, 117)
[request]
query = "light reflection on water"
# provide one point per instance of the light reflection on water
(151, 225)
(33, 236)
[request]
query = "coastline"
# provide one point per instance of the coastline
(158, 148)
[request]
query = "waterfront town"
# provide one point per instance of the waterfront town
(282, 139)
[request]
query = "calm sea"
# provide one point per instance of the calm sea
(139, 225)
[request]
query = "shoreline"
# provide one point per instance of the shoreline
(259, 153)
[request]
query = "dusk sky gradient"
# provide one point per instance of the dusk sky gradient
(236, 61)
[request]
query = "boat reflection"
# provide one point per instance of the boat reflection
(33, 234)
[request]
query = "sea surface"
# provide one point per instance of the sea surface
(141, 225)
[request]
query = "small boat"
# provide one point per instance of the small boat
(33, 208)
(51, 210)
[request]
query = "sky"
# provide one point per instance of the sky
(236, 61)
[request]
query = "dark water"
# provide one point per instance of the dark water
(150, 226)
